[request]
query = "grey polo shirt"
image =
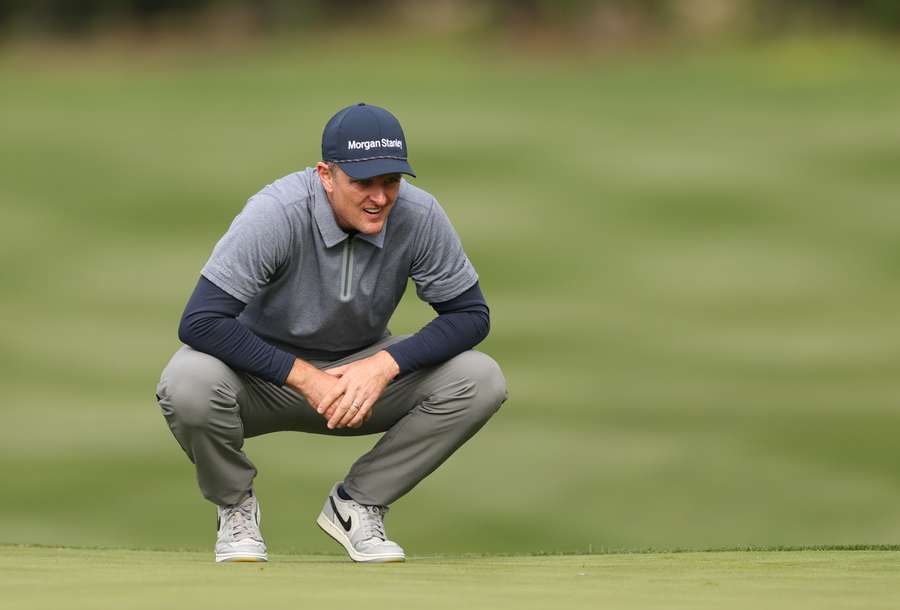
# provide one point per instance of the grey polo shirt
(313, 290)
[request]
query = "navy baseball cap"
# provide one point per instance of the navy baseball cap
(365, 141)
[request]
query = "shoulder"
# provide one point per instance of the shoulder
(421, 218)
(279, 212)
(291, 192)
(414, 203)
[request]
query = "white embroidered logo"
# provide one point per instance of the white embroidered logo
(370, 144)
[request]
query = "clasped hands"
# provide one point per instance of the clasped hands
(345, 395)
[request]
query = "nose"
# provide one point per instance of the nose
(378, 196)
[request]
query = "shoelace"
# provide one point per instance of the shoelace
(373, 524)
(241, 521)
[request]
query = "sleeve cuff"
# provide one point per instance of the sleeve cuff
(283, 363)
(398, 353)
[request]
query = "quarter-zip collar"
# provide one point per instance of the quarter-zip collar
(332, 233)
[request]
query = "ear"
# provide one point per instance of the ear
(325, 176)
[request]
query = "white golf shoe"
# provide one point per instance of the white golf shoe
(239, 538)
(359, 529)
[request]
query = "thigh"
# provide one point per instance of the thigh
(433, 389)
(197, 387)
(266, 407)
(426, 386)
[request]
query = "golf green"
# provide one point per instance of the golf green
(46, 577)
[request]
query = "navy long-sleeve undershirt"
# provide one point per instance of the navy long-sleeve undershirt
(209, 324)
(462, 323)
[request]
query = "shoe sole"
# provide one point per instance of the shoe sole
(340, 537)
(241, 558)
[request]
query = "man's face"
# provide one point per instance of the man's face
(360, 205)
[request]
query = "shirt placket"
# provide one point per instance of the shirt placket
(346, 286)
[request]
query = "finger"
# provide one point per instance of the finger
(341, 408)
(326, 405)
(365, 411)
(358, 416)
(330, 397)
(362, 420)
(335, 417)
(353, 408)
(350, 413)
(337, 371)
(334, 405)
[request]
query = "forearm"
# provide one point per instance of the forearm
(461, 325)
(237, 346)
(440, 340)
(209, 325)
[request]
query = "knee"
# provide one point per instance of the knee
(192, 386)
(488, 382)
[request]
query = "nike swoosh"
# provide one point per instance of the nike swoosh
(345, 524)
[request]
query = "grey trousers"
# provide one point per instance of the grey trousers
(425, 415)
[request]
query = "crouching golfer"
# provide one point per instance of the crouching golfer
(287, 330)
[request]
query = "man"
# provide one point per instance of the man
(287, 330)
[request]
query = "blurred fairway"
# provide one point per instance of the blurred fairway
(692, 262)
(38, 578)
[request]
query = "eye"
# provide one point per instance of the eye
(365, 183)
(392, 179)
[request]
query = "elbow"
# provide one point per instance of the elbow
(192, 329)
(484, 325)
(202, 330)
(185, 331)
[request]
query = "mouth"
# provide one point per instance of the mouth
(372, 211)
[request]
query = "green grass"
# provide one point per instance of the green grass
(95, 579)
(691, 259)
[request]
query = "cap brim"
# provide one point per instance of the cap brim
(361, 170)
